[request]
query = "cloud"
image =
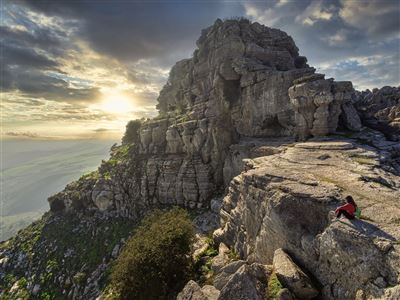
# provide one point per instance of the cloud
(125, 32)
(316, 11)
(26, 134)
(331, 32)
(102, 130)
(61, 58)
(377, 17)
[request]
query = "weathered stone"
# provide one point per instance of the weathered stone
(219, 110)
(36, 289)
(248, 282)
(350, 117)
(192, 291)
(292, 277)
(274, 205)
(317, 104)
(219, 261)
(226, 273)
(380, 110)
(284, 294)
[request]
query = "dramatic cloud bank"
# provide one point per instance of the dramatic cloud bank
(74, 68)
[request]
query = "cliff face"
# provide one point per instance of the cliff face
(283, 200)
(235, 86)
(233, 118)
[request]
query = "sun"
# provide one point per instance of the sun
(116, 103)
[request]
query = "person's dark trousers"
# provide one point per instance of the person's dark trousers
(346, 214)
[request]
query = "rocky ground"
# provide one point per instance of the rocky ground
(283, 200)
(246, 118)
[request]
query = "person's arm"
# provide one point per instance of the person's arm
(339, 208)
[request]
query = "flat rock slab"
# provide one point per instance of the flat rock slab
(325, 145)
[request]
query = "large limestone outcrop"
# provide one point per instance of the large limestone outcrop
(318, 105)
(236, 84)
(229, 117)
(380, 109)
(283, 201)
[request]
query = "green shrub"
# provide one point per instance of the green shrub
(132, 132)
(274, 286)
(155, 262)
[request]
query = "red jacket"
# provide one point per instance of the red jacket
(348, 207)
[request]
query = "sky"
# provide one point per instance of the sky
(82, 69)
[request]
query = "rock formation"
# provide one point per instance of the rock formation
(235, 86)
(318, 104)
(283, 201)
(380, 109)
(230, 119)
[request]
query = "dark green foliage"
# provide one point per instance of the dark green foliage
(132, 132)
(156, 261)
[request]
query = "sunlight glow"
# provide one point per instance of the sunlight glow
(116, 103)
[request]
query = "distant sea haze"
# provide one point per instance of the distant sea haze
(33, 170)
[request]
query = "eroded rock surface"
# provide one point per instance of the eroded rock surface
(318, 104)
(229, 118)
(283, 201)
(291, 276)
(192, 291)
(380, 109)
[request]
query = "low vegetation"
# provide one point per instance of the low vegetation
(155, 262)
(202, 263)
(68, 247)
(274, 286)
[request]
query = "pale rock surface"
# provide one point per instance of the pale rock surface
(284, 294)
(228, 118)
(318, 104)
(192, 291)
(284, 200)
(292, 277)
(226, 273)
(236, 84)
(248, 282)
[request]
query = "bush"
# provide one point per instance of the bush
(274, 286)
(155, 262)
(132, 132)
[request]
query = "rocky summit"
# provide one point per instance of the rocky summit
(262, 150)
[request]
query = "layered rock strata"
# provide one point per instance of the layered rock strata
(318, 104)
(283, 200)
(235, 86)
(380, 109)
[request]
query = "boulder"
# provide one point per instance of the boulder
(292, 277)
(226, 273)
(350, 118)
(284, 294)
(192, 291)
(248, 282)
